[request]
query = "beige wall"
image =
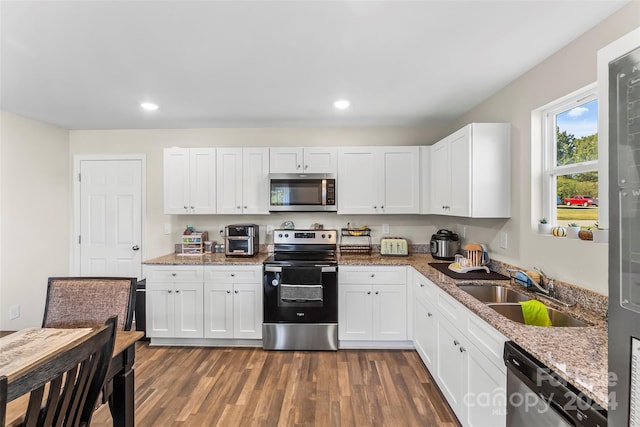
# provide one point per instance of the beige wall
(570, 69)
(34, 215)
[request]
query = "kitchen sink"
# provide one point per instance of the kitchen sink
(513, 311)
(493, 293)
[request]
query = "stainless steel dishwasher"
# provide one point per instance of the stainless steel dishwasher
(538, 397)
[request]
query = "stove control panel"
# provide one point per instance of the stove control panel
(305, 237)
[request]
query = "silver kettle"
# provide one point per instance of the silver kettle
(444, 245)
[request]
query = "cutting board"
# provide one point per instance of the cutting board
(443, 267)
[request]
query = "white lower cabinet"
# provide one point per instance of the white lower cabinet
(233, 302)
(372, 303)
(174, 302)
(463, 354)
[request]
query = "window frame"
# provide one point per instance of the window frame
(550, 171)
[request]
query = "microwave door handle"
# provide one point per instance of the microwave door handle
(324, 192)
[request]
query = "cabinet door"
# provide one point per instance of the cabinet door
(285, 160)
(247, 311)
(355, 312)
(451, 367)
(425, 180)
(255, 181)
(320, 160)
(400, 186)
(389, 312)
(440, 182)
(189, 320)
(176, 180)
(218, 310)
(202, 180)
(229, 180)
(460, 172)
(486, 389)
(160, 314)
(425, 331)
(358, 180)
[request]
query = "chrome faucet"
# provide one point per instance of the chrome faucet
(551, 286)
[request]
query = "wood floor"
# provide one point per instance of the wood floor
(197, 386)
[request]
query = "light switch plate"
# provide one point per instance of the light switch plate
(167, 228)
(503, 240)
(385, 228)
(14, 312)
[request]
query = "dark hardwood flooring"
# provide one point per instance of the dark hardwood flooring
(205, 386)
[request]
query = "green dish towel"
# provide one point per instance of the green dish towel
(535, 313)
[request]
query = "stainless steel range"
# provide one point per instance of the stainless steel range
(301, 291)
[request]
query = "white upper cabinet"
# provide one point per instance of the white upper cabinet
(378, 180)
(243, 180)
(189, 181)
(470, 172)
(303, 160)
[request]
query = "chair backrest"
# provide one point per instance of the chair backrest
(78, 302)
(73, 379)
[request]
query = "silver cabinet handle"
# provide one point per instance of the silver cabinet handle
(177, 291)
(298, 167)
(136, 248)
(186, 207)
(228, 292)
(174, 274)
(369, 293)
(236, 292)
(462, 349)
(233, 275)
(170, 292)
(306, 166)
(245, 207)
(422, 285)
(373, 275)
(381, 207)
(429, 314)
(237, 207)
(377, 292)
(456, 343)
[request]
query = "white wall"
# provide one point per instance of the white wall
(34, 215)
(573, 67)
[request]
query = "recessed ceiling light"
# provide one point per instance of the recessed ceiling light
(149, 106)
(342, 104)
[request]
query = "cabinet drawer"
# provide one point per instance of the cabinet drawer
(424, 288)
(192, 274)
(451, 309)
(487, 339)
(372, 275)
(235, 274)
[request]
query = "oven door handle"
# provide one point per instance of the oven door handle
(289, 285)
(278, 268)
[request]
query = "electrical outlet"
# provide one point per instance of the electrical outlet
(503, 240)
(14, 312)
(385, 228)
(167, 228)
(463, 231)
(221, 229)
(269, 229)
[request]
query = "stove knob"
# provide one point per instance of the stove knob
(274, 282)
(280, 235)
(323, 236)
(286, 235)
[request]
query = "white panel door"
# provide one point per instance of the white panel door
(354, 312)
(160, 310)
(389, 312)
(218, 313)
(285, 159)
(202, 180)
(189, 310)
(229, 180)
(110, 218)
(440, 181)
(176, 180)
(320, 160)
(401, 183)
(460, 160)
(358, 180)
(255, 181)
(247, 311)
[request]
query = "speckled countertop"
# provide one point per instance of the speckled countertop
(577, 354)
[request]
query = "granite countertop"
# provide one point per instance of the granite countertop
(577, 354)
(207, 259)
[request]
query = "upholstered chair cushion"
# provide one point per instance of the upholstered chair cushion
(75, 302)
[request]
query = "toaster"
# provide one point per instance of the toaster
(396, 246)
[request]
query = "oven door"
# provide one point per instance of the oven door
(300, 294)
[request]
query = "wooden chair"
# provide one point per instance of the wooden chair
(3, 400)
(63, 390)
(77, 302)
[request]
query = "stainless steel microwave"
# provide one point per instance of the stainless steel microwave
(305, 193)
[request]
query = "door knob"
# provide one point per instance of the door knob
(136, 248)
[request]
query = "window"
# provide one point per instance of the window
(570, 160)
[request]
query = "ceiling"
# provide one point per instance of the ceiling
(89, 64)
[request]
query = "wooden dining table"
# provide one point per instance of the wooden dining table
(23, 350)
